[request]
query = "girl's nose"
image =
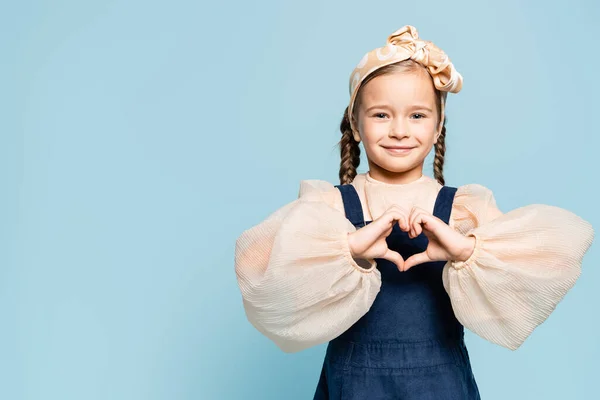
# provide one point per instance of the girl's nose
(399, 129)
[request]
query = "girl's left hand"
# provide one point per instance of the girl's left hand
(445, 243)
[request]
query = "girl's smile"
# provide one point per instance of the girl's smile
(399, 150)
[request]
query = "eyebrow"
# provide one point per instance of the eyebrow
(414, 107)
(377, 106)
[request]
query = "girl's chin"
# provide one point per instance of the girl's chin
(398, 167)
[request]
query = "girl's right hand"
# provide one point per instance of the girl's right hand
(369, 242)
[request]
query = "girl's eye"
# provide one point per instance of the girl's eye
(418, 116)
(380, 114)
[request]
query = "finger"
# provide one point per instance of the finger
(392, 215)
(393, 218)
(428, 223)
(421, 220)
(416, 259)
(403, 220)
(418, 224)
(402, 215)
(414, 223)
(411, 221)
(394, 257)
(384, 223)
(403, 223)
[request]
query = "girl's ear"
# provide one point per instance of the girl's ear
(440, 126)
(438, 131)
(355, 133)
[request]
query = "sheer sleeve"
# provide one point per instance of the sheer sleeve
(524, 263)
(299, 283)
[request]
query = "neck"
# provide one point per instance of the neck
(395, 178)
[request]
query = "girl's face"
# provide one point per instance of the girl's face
(397, 123)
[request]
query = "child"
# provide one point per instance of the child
(389, 266)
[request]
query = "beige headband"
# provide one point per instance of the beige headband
(402, 45)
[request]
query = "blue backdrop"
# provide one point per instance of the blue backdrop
(140, 138)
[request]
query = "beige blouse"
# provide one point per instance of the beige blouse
(301, 287)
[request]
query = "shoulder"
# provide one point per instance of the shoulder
(310, 187)
(324, 191)
(473, 205)
(473, 192)
(317, 190)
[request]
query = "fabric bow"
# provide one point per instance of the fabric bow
(445, 77)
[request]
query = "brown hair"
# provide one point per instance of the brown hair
(349, 148)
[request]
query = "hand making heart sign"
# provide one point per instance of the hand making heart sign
(445, 243)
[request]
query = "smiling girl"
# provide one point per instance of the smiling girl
(390, 266)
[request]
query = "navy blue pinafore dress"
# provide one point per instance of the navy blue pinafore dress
(409, 345)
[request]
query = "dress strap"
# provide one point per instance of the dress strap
(352, 205)
(443, 203)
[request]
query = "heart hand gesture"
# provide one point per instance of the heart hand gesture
(444, 242)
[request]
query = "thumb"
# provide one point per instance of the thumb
(416, 259)
(394, 257)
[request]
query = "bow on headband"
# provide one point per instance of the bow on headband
(402, 45)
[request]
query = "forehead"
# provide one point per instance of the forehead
(399, 88)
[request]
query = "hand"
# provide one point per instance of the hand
(444, 242)
(369, 241)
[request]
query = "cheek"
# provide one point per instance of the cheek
(425, 132)
(372, 132)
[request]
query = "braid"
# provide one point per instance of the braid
(440, 152)
(349, 151)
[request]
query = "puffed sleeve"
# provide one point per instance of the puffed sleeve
(523, 264)
(299, 283)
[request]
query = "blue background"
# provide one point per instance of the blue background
(140, 138)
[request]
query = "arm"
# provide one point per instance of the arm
(299, 283)
(522, 265)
